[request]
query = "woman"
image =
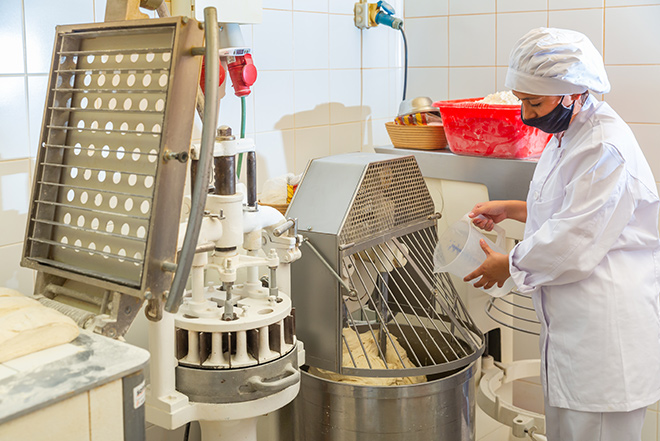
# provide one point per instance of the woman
(590, 256)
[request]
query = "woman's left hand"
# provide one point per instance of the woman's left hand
(493, 271)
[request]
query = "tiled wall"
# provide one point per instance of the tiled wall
(460, 49)
(323, 88)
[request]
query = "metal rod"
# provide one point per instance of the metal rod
(89, 230)
(155, 50)
(94, 210)
(88, 272)
(76, 187)
(86, 149)
(381, 295)
(115, 70)
(101, 129)
(353, 326)
(87, 250)
(363, 309)
(327, 265)
(224, 174)
(82, 167)
(198, 198)
(251, 179)
(228, 313)
(487, 308)
(74, 294)
(88, 109)
(272, 282)
(112, 91)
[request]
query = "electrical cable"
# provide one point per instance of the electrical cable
(186, 433)
(240, 155)
(405, 66)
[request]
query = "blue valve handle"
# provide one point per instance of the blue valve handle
(389, 20)
(385, 7)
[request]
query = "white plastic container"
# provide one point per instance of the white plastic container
(458, 252)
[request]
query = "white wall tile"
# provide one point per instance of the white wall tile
(471, 82)
(631, 35)
(41, 17)
(631, 2)
(345, 138)
(275, 155)
(273, 101)
(431, 82)
(342, 7)
(311, 143)
(501, 77)
(99, 10)
(650, 427)
(427, 42)
(575, 4)
(310, 5)
(376, 47)
(277, 4)
(345, 103)
(345, 43)
(426, 8)
(511, 27)
(632, 95)
(647, 136)
(13, 118)
(11, 35)
(471, 6)
(272, 41)
(14, 199)
(12, 274)
(310, 35)
(374, 134)
(311, 97)
(472, 40)
(37, 88)
(587, 21)
(521, 5)
(375, 94)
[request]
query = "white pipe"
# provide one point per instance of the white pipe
(237, 430)
(163, 359)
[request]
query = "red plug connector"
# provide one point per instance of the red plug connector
(243, 74)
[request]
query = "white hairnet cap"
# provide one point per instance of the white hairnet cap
(550, 61)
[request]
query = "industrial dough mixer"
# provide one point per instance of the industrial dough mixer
(369, 307)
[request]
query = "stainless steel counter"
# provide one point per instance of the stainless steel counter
(505, 178)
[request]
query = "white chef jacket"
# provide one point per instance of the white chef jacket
(591, 260)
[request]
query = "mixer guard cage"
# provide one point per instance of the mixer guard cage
(105, 201)
(377, 232)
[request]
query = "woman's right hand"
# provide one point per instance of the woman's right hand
(486, 214)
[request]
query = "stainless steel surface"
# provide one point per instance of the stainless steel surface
(119, 95)
(198, 196)
(505, 178)
(440, 409)
(238, 385)
(86, 363)
(370, 275)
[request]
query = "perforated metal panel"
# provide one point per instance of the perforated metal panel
(105, 200)
(391, 194)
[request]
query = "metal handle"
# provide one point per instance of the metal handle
(261, 384)
(198, 198)
(341, 281)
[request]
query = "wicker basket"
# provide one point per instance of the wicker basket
(417, 137)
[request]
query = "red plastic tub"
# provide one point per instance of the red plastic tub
(493, 130)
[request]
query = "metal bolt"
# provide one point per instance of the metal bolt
(200, 25)
(224, 133)
(148, 295)
(128, 310)
(181, 157)
(184, 20)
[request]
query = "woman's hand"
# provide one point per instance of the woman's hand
(494, 270)
(486, 214)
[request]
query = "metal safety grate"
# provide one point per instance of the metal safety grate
(102, 143)
(392, 194)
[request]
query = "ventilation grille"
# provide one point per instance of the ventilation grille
(392, 194)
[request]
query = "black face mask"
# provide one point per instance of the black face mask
(554, 122)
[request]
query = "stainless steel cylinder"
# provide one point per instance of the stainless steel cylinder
(440, 409)
(251, 178)
(225, 175)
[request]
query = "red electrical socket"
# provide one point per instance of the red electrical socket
(243, 74)
(221, 71)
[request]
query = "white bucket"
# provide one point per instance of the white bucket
(458, 252)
